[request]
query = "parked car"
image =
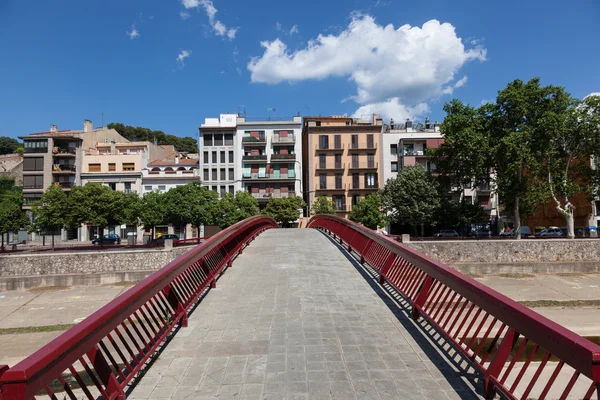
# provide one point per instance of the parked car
(484, 233)
(165, 237)
(111, 238)
(552, 231)
(525, 232)
(447, 233)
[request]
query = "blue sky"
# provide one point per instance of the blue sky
(168, 64)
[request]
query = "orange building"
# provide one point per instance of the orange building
(341, 159)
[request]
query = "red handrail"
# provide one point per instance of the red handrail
(131, 327)
(484, 325)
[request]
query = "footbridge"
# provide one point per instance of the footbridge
(335, 311)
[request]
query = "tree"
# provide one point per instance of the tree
(152, 210)
(97, 205)
(456, 214)
(368, 212)
(12, 217)
(136, 133)
(411, 197)
(235, 208)
(192, 204)
(285, 210)
(8, 145)
(50, 213)
(323, 205)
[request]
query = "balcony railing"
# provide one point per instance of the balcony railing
(338, 148)
(364, 187)
(265, 195)
(284, 157)
(35, 150)
(363, 146)
(338, 188)
(64, 185)
(284, 139)
(418, 153)
(255, 158)
(339, 166)
(254, 140)
(256, 175)
(64, 151)
(33, 186)
(58, 168)
(363, 165)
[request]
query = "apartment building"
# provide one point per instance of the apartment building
(341, 159)
(406, 144)
(271, 161)
(219, 155)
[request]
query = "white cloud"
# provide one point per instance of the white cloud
(183, 54)
(390, 67)
(278, 26)
(133, 33)
(220, 28)
(184, 15)
(294, 30)
(486, 101)
(392, 108)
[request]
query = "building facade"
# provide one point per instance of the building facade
(271, 157)
(220, 158)
(342, 159)
(164, 175)
(11, 166)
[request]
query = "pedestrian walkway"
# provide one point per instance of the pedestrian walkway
(295, 318)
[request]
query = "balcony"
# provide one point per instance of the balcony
(331, 148)
(64, 151)
(272, 195)
(283, 157)
(64, 185)
(262, 158)
(363, 165)
(363, 146)
(280, 176)
(251, 140)
(283, 139)
(365, 187)
(61, 169)
(330, 166)
(334, 188)
(412, 153)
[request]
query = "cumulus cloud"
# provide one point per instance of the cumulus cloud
(392, 108)
(183, 54)
(211, 11)
(390, 67)
(133, 33)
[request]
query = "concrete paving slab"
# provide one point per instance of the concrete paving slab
(13, 348)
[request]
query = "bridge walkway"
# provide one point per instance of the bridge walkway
(296, 318)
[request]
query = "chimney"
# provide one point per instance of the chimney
(176, 159)
(87, 126)
(53, 128)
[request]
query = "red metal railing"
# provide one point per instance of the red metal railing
(520, 353)
(102, 354)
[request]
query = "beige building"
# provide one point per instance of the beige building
(11, 166)
(341, 159)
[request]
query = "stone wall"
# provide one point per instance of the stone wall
(86, 262)
(511, 251)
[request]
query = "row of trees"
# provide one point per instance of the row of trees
(137, 133)
(538, 141)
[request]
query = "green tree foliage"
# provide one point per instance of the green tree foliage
(51, 212)
(323, 205)
(152, 210)
(368, 212)
(456, 214)
(411, 197)
(9, 145)
(285, 210)
(12, 217)
(192, 204)
(136, 133)
(235, 208)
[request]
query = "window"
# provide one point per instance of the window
(229, 139)
(162, 188)
(214, 157)
(128, 166)
(355, 181)
(338, 181)
(113, 185)
(370, 160)
(409, 149)
(93, 167)
(205, 158)
(339, 203)
(597, 203)
(222, 190)
(231, 189)
(323, 142)
(354, 160)
(318, 123)
(338, 161)
(231, 174)
(148, 188)
(112, 167)
(355, 141)
(370, 142)
(231, 157)
(218, 139)
(35, 146)
(214, 174)
(370, 181)
(31, 198)
(394, 166)
(222, 157)
(205, 174)
(323, 181)
(355, 199)
(33, 182)
(215, 189)
(208, 140)
(394, 148)
(33, 164)
(337, 141)
(223, 176)
(127, 187)
(322, 160)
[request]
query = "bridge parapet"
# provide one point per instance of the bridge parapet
(519, 353)
(101, 355)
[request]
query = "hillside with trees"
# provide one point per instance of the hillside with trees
(139, 134)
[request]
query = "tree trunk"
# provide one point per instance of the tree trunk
(52, 240)
(517, 218)
(422, 230)
(2, 247)
(570, 218)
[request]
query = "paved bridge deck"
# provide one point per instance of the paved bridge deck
(296, 319)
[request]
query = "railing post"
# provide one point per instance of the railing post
(106, 375)
(497, 363)
(386, 267)
(421, 297)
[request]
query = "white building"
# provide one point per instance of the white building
(164, 175)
